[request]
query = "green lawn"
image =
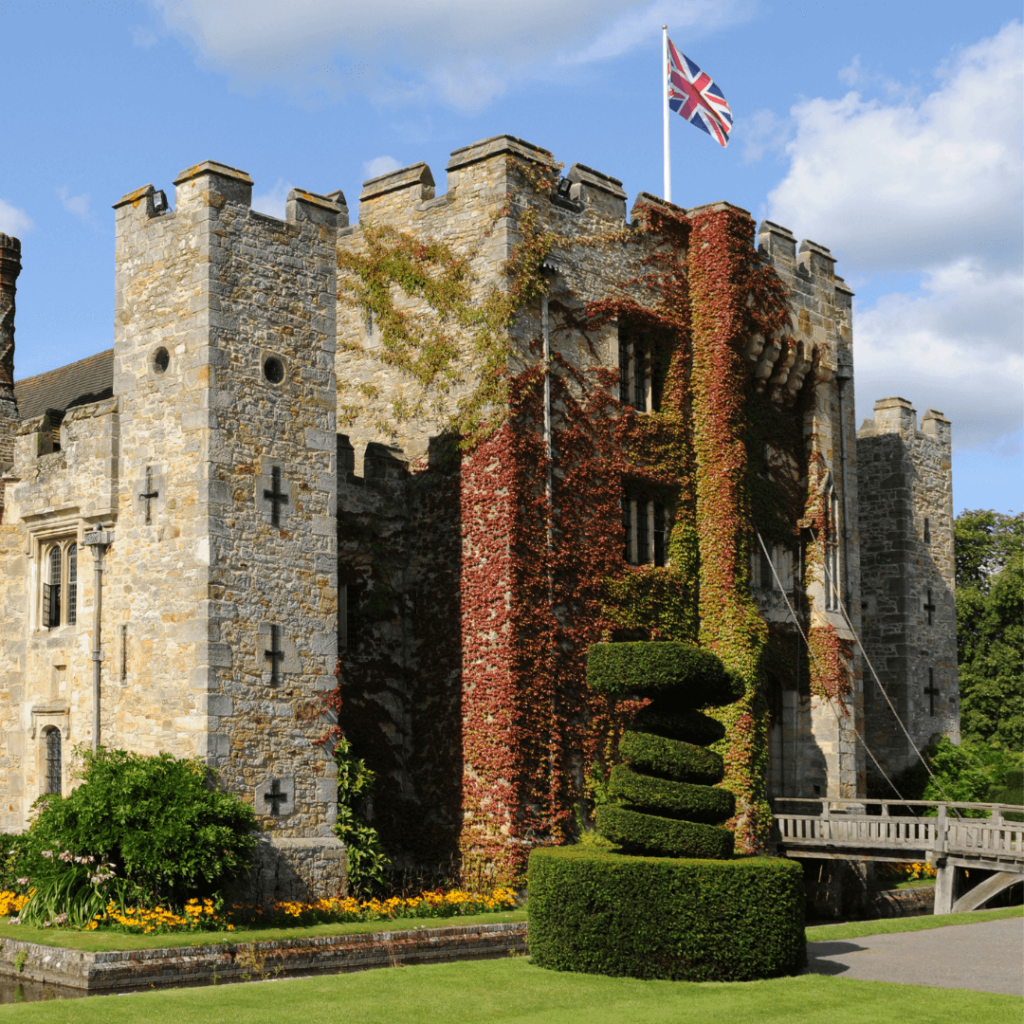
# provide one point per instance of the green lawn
(98, 942)
(513, 990)
(856, 929)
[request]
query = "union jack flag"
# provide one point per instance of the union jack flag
(693, 95)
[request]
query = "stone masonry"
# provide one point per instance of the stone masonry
(265, 482)
(213, 468)
(907, 593)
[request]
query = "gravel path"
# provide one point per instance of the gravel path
(986, 957)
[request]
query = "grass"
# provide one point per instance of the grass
(511, 991)
(857, 929)
(104, 941)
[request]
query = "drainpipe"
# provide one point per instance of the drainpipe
(97, 541)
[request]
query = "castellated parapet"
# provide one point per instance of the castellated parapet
(908, 591)
(254, 547)
(213, 467)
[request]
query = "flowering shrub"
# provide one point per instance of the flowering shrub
(894, 874)
(211, 915)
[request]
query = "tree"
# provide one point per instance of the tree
(990, 627)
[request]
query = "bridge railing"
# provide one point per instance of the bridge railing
(900, 825)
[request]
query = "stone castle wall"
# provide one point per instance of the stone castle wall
(814, 749)
(219, 613)
(906, 522)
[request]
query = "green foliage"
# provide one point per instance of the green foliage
(990, 627)
(973, 773)
(157, 821)
(72, 894)
(652, 602)
(671, 759)
(641, 832)
(690, 676)
(671, 799)
(366, 860)
(644, 917)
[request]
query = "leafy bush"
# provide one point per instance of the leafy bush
(643, 832)
(672, 759)
(156, 821)
(671, 799)
(971, 772)
(366, 860)
(690, 676)
(644, 917)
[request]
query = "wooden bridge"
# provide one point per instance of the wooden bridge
(897, 830)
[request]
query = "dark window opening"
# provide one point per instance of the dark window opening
(51, 591)
(627, 525)
(927, 531)
(273, 370)
(54, 766)
(623, 369)
(659, 533)
(161, 360)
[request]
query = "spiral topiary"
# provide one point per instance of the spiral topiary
(666, 801)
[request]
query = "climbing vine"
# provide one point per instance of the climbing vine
(530, 565)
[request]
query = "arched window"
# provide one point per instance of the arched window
(54, 763)
(58, 573)
(51, 589)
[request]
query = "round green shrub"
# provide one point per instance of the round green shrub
(671, 799)
(158, 820)
(650, 917)
(693, 676)
(640, 832)
(691, 726)
(671, 759)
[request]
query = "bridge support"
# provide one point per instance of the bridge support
(945, 886)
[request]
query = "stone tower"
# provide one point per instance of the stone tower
(210, 478)
(909, 573)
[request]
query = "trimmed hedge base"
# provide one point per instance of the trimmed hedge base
(641, 832)
(598, 912)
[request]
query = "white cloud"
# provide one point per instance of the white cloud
(931, 187)
(465, 52)
(904, 185)
(78, 205)
(954, 346)
(379, 165)
(143, 37)
(273, 201)
(14, 221)
(764, 131)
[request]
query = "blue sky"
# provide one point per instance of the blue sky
(889, 132)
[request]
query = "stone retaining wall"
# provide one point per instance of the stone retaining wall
(127, 970)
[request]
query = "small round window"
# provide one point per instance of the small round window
(273, 369)
(161, 359)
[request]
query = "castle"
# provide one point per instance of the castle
(397, 476)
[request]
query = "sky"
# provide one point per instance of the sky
(892, 133)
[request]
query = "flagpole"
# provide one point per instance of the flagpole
(664, 107)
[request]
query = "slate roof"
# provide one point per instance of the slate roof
(88, 380)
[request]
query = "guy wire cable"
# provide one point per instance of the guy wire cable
(867, 660)
(810, 650)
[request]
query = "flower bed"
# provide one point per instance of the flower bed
(211, 915)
